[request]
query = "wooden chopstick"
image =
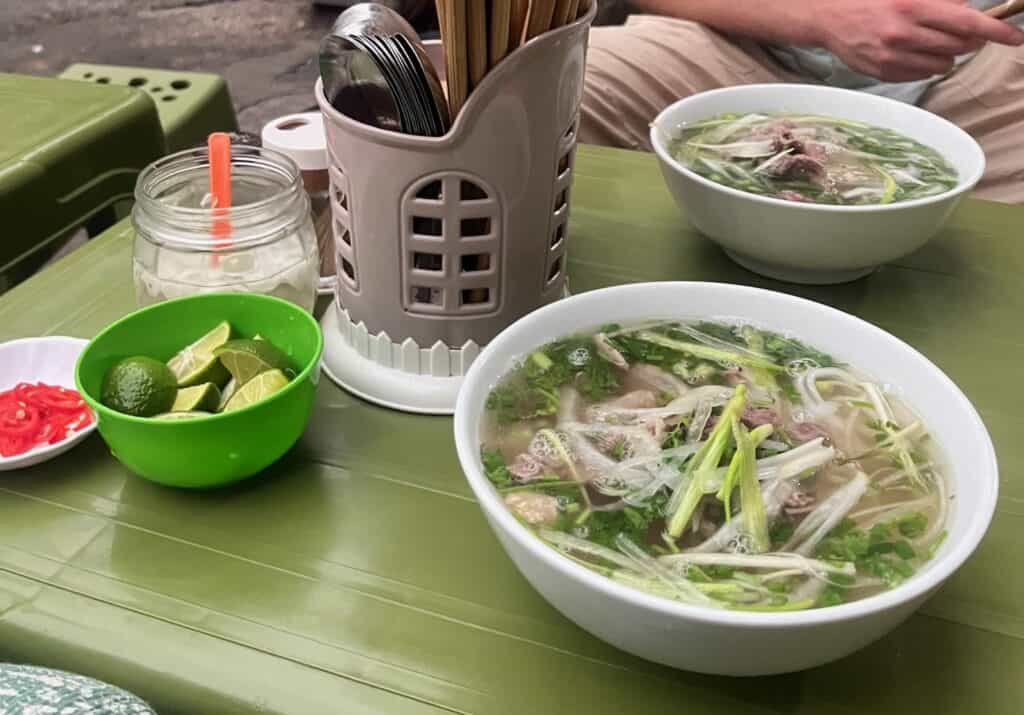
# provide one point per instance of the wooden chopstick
(501, 18)
(561, 15)
(456, 63)
(1007, 9)
(517, 23)
(476, 38)
(477, 35)
(539, 18)
(442, 26)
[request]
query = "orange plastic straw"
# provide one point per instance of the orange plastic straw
(218, 146)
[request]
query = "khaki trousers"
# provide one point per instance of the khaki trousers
(636, 70)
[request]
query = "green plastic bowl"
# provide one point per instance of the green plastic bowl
(219, 449)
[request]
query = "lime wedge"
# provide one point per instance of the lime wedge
(197, 364)
(245, 359)
(201, 398)
(227, 393)
(172, 416)
(260, 387)
(139, 386)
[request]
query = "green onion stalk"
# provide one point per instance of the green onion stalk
(702, 467)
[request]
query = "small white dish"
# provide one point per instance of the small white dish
(49, 360)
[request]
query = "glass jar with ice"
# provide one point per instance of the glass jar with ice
(262, 242)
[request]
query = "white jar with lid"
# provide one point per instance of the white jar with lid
(301, 137)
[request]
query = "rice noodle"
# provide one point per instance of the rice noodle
(716, 395)
(827, 515)
(567, 542)
(645, 563)
(699, 422)
(806, 385)
(911, 505)
(568, 405)
(776, 560)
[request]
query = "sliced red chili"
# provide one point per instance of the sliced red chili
(19, 418)
(11, 446)
(54, 398)
(37, 414)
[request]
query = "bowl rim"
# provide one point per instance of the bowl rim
(919, 586)
(658, 135)
(105, 411)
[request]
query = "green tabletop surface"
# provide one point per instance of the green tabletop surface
(358, 575)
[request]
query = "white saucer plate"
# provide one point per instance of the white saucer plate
(50, 360)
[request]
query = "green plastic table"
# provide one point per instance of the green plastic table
(68, 150)
(358, 575)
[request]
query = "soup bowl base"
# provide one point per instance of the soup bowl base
(806, 276)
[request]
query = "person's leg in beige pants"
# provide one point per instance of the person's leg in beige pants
(635, 71)
(986, 98)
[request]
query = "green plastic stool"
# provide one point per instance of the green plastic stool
(190, 104)
(69, 152)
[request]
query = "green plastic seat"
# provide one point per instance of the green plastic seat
(190, 104)
(69, 152)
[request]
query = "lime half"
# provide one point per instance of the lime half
(245, 359)
(201, 398)
(197, 363)
(174, 416)
(139, 386)
(260, 387)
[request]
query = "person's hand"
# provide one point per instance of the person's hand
(902, 40)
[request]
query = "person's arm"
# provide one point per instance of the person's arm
(894, 40)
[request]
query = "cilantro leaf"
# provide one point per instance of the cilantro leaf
(635, 350)
(781, 532)
(784, 350)
(495, 468)
(635, 522)
(832, 596)
(912, 525)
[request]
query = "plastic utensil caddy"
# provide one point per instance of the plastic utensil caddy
(444, 241)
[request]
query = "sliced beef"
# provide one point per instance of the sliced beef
(525, 467)
(796, 166)
(790, 195)
(635, 400)
(799, 503)
(757, 416)
(752, 417)
(801, 432)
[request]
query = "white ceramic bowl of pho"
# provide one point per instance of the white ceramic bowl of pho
(722, 636)
(797, 240)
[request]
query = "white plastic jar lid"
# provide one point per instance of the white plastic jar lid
(301, 137)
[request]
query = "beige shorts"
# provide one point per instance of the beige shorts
(635, 71)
